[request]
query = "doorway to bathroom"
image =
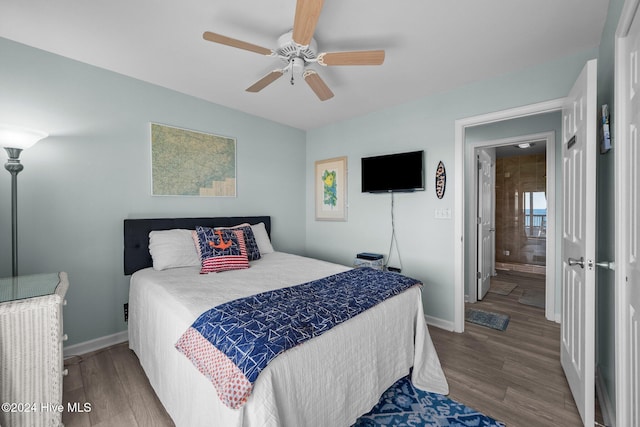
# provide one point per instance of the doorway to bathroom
(515, 238)
(521, 217)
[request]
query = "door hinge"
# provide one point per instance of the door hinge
(479, 275)
(479, 220)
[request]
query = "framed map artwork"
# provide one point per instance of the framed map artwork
(331, 189)
(190, 163)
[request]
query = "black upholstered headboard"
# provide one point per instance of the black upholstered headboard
(136, 234)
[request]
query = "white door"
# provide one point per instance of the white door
(577, 351)
(485, 219)
(627, 234)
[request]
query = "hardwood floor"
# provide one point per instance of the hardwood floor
(513, 376)
(113, 382)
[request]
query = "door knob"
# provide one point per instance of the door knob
(573, 261)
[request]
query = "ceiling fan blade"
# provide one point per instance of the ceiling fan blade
(317, 85)
(306, 18)
(218, 38)
(265, 81)
(361, 57)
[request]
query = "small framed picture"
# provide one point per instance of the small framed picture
(331, 189)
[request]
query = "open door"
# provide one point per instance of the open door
(485, 221)
(579, 149)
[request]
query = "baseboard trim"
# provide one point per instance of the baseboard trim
(606, 406)
(447, 325)
(95, 344)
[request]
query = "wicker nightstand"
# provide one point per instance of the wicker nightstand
(31, 363)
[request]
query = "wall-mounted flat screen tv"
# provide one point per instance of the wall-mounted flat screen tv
(393, 172)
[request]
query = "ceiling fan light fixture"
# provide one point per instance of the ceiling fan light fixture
(288, 48)
(297, 49)
(297, 66)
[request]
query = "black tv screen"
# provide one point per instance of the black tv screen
(393, 172)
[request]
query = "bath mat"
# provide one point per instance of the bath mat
(501, 288)
(487, 318)
(532, 297)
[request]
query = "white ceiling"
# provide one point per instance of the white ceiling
(431, 46)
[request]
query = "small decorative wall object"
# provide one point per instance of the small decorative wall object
(605, 134)
(331, 189)
(441, 180)
(191, 163)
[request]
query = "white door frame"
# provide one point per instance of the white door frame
(550, 268)
(621, 234)
(459, 190)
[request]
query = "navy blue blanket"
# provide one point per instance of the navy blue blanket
(252, 331)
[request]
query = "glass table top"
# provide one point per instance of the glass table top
(28, 286)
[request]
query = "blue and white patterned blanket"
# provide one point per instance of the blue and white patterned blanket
(250, 332)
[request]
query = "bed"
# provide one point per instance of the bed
(329, 380)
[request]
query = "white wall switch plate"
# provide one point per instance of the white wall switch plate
(443, 213)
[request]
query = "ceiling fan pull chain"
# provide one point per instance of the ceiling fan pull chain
(291, 69)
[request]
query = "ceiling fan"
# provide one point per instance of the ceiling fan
(298, 49)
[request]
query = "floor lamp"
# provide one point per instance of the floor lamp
(14, 140)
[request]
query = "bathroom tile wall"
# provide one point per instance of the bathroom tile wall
(516, 176)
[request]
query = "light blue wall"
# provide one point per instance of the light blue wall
(94, 171)
(605, 214)
(426, 244)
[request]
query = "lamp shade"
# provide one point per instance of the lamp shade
(17, 137)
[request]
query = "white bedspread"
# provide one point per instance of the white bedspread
(327, 381)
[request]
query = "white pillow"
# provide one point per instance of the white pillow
(173, 248)
(262, 238)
